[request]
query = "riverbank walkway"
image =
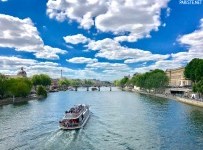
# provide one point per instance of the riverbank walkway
(194, 102)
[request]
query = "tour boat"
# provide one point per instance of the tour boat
(75, 118)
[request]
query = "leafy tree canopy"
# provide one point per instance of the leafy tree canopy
(155, 79)
(194, 70)
(41, 91)
(41, 79)
(198, 87)
(19, 87)
(124, 81)
(76, 82)
(64, 82)
(88, 82)
(3, 86)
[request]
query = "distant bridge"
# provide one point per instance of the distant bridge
(94, 85)
(93, 88)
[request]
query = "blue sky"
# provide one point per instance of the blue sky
(98, 39)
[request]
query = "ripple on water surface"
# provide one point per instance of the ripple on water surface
(119, 120)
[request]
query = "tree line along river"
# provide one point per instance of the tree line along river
(119, 120)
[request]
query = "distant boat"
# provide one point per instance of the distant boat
(71, 89)
(75, 118)
(94, 89)
(53, 90)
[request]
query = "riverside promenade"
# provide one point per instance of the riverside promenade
(194, 102)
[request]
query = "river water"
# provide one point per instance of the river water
(119, 121)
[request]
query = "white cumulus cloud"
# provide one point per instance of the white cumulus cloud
(108, 66)
(82, 60)
(76, 39)
(82, 11)
(134, 19)
(11, 65)
(151, 57)
(194, 42)
(49, 52)
(22, 35)
(112, 50)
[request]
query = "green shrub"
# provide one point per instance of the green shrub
(41, 91)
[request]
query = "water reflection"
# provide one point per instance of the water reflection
(20, 103)
(196, 121)
(196, 117)
(119, 120)
(155, 100)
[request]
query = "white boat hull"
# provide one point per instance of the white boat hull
(75, 127)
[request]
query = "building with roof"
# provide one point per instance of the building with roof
(177, 78)
(22, 73)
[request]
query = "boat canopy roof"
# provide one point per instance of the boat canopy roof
(75, 112)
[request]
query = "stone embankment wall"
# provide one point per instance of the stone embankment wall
(193, 102)
(16, 100)
(190, 101)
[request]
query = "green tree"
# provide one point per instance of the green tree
(76, 82)
(139, 80)
(155, 79)
(116, 82)
(45, 80)
(124, 81)
(41, 91)
(64, 83)
(36, 80)
(198, 87)
(61, 82)
(194, 70)
(41, 79)
(3, 86)
(199, 71)
(19, 87)
(133, 80)
(88, 83)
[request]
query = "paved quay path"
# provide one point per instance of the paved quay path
(179, 99)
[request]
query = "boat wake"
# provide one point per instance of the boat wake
(61, 137)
